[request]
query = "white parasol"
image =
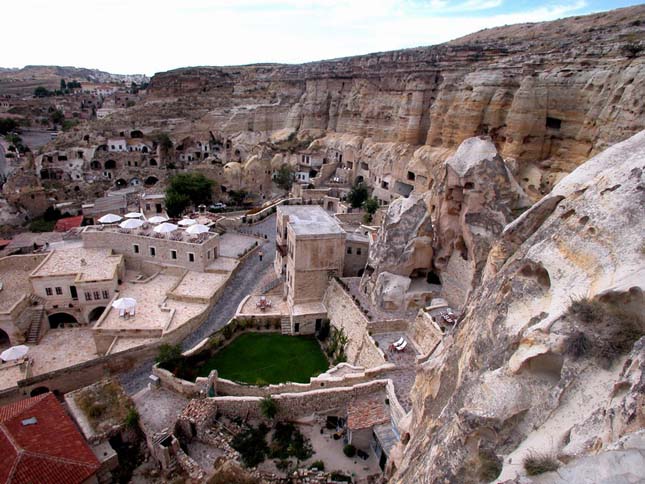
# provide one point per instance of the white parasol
(131, 223)
(165, 228)
(14, 353)
(187, 222)
(197, 229)
(133, 215)
(124, 303)
(110, 218)
(157, 219)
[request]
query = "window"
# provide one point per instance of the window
(135, 247)
(153, 252)
(88, 296)
(97, 296)
(411, 176)
(59, 291)
(173, 254)
(296, 328)
(48, 291)
(191, 257)
(208, 254)
(106, 294)
(349, 250)
(358, 251)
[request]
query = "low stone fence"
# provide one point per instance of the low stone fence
(293, 405)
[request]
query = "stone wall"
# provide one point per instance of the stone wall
(343, 313)
(294, 405)
(204, 253)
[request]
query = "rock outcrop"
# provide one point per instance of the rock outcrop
(527, 371)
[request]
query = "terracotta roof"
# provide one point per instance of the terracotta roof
(366, 412)
(68, 223)
(49, 451)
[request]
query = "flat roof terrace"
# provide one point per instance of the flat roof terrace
(86, 264)
(150, 314)
(310, 220)
(179, 235)
(14, 278)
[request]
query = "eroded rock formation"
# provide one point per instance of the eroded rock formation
(512, 379)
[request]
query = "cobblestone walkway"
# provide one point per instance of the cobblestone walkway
(252, 276)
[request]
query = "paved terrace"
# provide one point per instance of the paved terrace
(146, 230)
(251, 277)
(14, 278)
(87, 264)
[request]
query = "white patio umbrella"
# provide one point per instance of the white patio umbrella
(157, 219)
(14, 353)
(124, 303)
(131, 223)
(133, 215)
(110, 218)
(187, 222)
(165, 228)
(197, 229)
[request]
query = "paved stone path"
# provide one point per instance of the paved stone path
(251, 277)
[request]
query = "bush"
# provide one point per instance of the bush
(269, 407)
(612, 330)
(317, 465)
(169, 356)
(490, 466)
(42, 225)
(132, 418)
(340, 477)
(252, 445)
(537, 463)
(577, 345)
(349, 450)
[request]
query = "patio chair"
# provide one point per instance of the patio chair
(133, 311)
(122, 313)
(399, 342)
(402, 346)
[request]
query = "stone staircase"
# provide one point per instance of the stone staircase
(36, 322)
(285, 325)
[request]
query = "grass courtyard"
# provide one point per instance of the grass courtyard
(264, 358)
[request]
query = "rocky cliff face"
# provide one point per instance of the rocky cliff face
(549, 356)
(549, 95)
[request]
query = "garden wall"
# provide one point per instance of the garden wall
(343, 313)
(293, 405)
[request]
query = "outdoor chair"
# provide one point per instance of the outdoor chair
(122, 313)
(402, 346)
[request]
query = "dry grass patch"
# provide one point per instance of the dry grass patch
(537, 463)
(105, 405)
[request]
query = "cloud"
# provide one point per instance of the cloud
(153, 35)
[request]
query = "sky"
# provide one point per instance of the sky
(148, 36)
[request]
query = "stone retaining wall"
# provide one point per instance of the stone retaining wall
(294, 405)
(361, 349)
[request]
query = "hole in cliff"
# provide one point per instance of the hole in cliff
(433, 278)
(592, 230)
(537, 272)
(567, 214)
(469, 186)
(547, 365)
(583, 220)
(553, 123)
(615, 187)
(460, 245)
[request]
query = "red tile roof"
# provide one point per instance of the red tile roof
(67, 223)
(366, 412)
(51, 451)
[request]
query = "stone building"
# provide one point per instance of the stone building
(310, 248)
(76, 285)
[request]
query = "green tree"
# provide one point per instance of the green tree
(7, 125)
(63, 85)
(358, 195)
(237, 197)
(57, 116)
(168, 356)
(194, 187)
(370, 206)
(269, 407)
(176, 203)
(285, 177)
(41, 91)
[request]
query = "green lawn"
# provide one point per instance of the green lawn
(263, 358)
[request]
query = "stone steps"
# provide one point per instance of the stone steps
(35, 327)
(285, 325)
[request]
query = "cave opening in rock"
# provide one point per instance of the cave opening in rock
(553, 123)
